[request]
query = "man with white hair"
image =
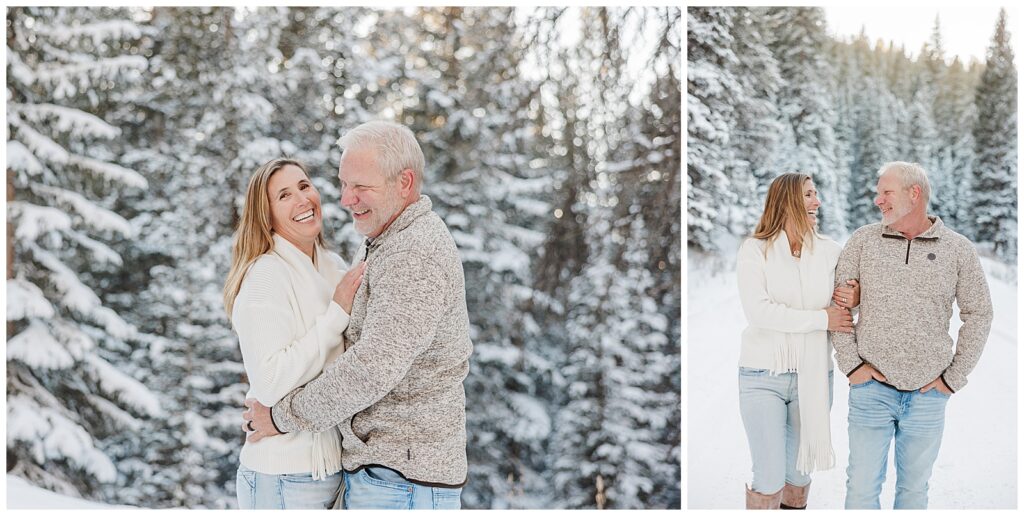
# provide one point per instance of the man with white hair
(397, 392)
(900, 359)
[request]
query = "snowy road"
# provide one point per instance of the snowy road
(976, 468)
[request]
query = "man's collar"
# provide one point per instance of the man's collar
(932, 233)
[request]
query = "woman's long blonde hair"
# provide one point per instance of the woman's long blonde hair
(254, 237)
(784, 205)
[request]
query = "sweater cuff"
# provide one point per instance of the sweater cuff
(280, 414)
(854, 370)
(944, 382)
(275, 422)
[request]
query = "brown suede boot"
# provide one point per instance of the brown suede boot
(757, 500)
(794, 497)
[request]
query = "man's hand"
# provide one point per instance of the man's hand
(261, 424)
(865, 373)
(938, 385)
(849, 296)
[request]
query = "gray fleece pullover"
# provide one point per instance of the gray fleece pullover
(396, 393)
(907, 293)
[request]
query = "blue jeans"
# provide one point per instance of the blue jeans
(292, 491)
(377, 487)
(770, 407)
(877, 413)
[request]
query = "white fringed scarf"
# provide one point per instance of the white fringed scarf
(807, 354)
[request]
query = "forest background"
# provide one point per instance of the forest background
(769, 91)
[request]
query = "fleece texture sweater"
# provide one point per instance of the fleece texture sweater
(288, 328)
(907, 293)
(397, 391)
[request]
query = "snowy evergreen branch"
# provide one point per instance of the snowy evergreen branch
(92, 215)
(21, 159)
(67, 119)
(98, 32)
(26, 300)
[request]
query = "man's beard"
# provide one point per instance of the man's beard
(379, 216)
(897, 213)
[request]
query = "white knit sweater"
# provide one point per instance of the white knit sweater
(783, 298)
(288, 327)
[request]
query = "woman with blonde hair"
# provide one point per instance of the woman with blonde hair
(289, 301)
(785, 273)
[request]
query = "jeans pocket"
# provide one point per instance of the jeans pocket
(384, 477)
(363, 491)
(245, 488)
(247, 476)
(863, 384)
(302, 491)
(750, 371)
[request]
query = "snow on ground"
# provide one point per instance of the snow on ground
(976, 467)
(22, 495)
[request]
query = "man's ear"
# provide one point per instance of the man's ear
(916, 191)
(406, 182)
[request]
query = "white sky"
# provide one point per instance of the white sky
(966, 27)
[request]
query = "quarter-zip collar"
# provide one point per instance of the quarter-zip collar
(931, 233)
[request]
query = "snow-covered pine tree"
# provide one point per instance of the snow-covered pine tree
(711, 89)
(995, 136)
(807, 107)
(564, 252)
(848, 59)
(645, 187)
(608, 452)
(662, 125)
(923, 142)
(878, 136)
(589, 469)
(755, 136)
(649, 163)
(944, 176)
(962, 113)
(68, 402)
